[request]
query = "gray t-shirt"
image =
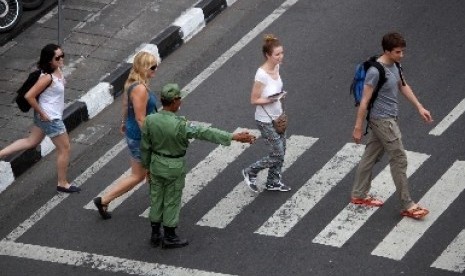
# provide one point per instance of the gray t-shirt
(386, 104)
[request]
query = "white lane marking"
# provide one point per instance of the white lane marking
(191, 86)
(449, 119)
(119, 200)
(408, 231)
(48, 16)
(47, 207)
(294, 209)
(353, 217)
(95, 261)
(232, 204)
(209, 168)
(453, 258)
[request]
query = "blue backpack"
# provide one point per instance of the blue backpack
(356, 88)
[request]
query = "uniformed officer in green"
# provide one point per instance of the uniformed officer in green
(165, 138)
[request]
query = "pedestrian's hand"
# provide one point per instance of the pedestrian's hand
(426, 115)
(357, 135)
(44, 118)
(244, 137)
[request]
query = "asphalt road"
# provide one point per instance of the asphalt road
(323, 40)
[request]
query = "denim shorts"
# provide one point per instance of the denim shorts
(51, 128)
(134, 149)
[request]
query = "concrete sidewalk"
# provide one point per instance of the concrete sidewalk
(101, 36)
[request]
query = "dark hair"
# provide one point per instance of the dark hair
(269, 43)
(392, 40)
(46, 56)
(166, 102)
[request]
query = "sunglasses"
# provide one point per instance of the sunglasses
(60, 57)
(154, 67)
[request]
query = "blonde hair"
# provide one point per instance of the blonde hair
(142, 62)
(270, 42)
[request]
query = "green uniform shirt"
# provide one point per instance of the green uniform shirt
(166, 134)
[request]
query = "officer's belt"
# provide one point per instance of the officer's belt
(170, 156)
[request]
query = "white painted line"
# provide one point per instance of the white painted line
(232, 204)
(408, 231)
(145, 47)
(97, 98)
(191, 22)
(449, 119)
(353, 217)
(48, 16)
(453, 258)
(119, 200)
(95, 261)
(209, 168)
(6, 175)
(47, 207)
(238, 46)
(294, 209)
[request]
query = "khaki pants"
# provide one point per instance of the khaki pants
(384, 136)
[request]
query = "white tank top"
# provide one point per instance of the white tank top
(52, 100)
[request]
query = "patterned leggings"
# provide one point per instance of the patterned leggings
(275, 158)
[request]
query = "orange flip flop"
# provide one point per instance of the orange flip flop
(368, 201)
(415, 213)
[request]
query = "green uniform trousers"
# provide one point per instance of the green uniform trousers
(167, 180)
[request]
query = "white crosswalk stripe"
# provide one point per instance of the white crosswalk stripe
(353, 217)
(232, 204)
(453, 257)
(407, 232)
(290, 213)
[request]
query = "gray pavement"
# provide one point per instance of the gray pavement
(99, 35)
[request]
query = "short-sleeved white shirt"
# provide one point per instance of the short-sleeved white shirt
(52, 100)
(271, 86)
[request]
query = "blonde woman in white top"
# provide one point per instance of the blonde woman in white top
(46, 97)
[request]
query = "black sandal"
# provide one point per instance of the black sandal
(102, 208)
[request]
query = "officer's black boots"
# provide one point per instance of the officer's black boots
(171, 240)
(156, 237)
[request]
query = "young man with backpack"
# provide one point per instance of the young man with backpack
(384, 134)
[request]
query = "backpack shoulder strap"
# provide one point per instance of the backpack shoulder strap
(381, 80)
(401, 74)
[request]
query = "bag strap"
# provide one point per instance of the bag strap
(266, 112)
(264, 109)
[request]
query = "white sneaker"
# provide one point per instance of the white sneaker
(250, 181)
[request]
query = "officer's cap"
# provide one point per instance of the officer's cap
(170, 91)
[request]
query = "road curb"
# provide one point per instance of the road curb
(187, 25)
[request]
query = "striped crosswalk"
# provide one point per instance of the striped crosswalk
(352, 217)
(233, 203)
(399, 240)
